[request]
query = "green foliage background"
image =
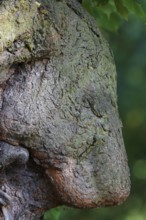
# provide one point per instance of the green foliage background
(111, 13)
(123, 22)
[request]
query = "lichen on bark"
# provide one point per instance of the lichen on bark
(58, 101)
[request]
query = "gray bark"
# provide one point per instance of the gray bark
(60, 133)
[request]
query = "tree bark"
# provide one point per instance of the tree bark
(60, 133)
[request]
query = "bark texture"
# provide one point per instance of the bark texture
(61, 140)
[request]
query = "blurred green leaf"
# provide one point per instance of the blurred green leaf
(130, 4)
(53, 214)
(138, 170)
(102, 2)
(139, 10)
(106, 11)
(121, 9)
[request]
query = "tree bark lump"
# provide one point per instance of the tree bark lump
(60, 134)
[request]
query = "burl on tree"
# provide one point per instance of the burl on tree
(60, 133)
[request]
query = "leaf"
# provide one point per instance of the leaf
(101, 2)
(53, 214)
(107, 10)
(129, 4)
(114, 22)
(121, 9)
(110, 13)
(139, 10)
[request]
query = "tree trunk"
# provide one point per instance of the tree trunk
(60, 133)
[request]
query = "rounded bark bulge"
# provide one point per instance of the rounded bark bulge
(59, 100)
